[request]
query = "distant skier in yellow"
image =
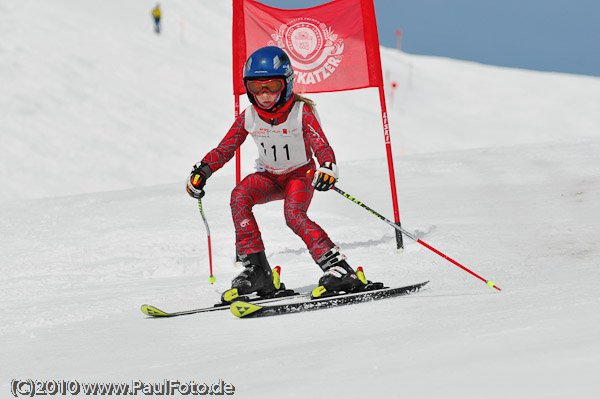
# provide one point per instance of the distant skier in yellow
(156, 15)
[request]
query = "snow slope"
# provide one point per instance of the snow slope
(101, 121)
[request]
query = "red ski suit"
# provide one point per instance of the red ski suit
(294, 186)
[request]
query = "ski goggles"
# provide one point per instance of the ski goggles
(273, 86)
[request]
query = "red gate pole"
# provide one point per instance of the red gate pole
(238, 161)
(390, 160)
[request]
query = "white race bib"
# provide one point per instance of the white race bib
(281, 148)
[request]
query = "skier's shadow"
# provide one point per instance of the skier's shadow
(361, 244)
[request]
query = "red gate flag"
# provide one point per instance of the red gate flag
(332, 47)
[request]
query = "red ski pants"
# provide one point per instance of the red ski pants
(296, 190)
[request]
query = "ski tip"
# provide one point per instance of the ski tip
(150, 310)
(243, 309)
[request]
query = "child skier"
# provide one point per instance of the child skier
(287, 132)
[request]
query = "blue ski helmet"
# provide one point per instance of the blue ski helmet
(268, 63)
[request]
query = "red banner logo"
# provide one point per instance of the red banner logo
(315, 50)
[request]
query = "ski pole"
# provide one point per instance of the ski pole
(490, 283)
(211, 278)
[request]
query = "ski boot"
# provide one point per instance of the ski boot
(338, 276)
(256, 277)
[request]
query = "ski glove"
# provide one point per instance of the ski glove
(197, 180)
(326, 176)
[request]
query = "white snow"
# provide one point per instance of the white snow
(101, 121)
